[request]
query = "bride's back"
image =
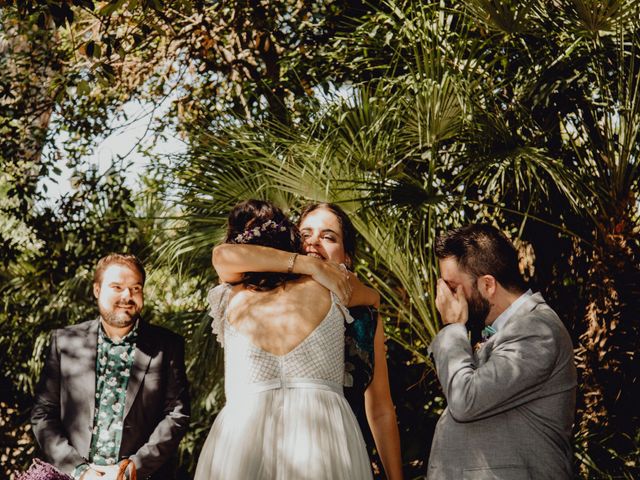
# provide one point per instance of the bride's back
(278, 320)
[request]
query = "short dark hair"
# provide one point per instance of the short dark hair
(257, 222)
(128, 260)
(348, 230)
(481, 249)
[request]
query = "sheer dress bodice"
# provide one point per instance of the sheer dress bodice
(318, 358)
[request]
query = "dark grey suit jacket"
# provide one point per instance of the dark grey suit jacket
(510, 406)
(156, 413)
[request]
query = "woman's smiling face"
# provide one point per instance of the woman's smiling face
(322, 235)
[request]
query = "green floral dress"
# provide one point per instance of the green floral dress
(359, 363)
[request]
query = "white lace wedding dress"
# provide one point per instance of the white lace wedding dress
(286, 417)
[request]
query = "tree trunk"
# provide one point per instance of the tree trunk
(609, 420)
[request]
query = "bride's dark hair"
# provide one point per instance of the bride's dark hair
(256, 222)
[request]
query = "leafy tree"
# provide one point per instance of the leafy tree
(521, 115)
(28, 67)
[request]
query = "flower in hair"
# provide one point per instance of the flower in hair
(268, 226)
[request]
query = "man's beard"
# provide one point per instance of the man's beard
(118, 319)
(479, 308)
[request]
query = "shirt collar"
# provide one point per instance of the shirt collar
(511, 309)
(129, 338)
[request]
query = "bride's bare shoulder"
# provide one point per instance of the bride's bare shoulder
(308, 283)
(306, 286)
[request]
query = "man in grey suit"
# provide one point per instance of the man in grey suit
(510, 403)
(113, 388)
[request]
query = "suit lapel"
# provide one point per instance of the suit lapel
(484, 352)
(78, 350)
(139, 369)
(91, 345)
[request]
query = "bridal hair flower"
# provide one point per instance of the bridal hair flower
(266, 228)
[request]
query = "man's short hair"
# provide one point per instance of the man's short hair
(481, 249)
(130, 261)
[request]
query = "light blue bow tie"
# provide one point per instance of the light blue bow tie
(487, 332)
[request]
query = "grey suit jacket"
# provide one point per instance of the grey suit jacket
(156, 413)
(510, 405)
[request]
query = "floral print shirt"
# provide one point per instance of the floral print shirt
(113, 368)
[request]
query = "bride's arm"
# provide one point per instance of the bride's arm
(231, 261)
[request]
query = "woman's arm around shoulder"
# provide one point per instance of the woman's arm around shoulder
(231, 261)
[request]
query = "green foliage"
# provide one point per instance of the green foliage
(25, 107)
(520, 115)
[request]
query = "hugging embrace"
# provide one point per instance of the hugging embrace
(281, 316)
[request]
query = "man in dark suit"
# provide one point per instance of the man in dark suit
(113, 388)
(510, 403)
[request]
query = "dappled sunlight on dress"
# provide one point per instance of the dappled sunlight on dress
(285, 416)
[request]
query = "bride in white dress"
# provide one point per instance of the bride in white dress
(283, 335)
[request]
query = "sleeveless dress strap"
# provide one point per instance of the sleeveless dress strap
(344, 310)
(218, 298)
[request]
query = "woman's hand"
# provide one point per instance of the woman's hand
(342, 282)
(381, 413)
(332, 276)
